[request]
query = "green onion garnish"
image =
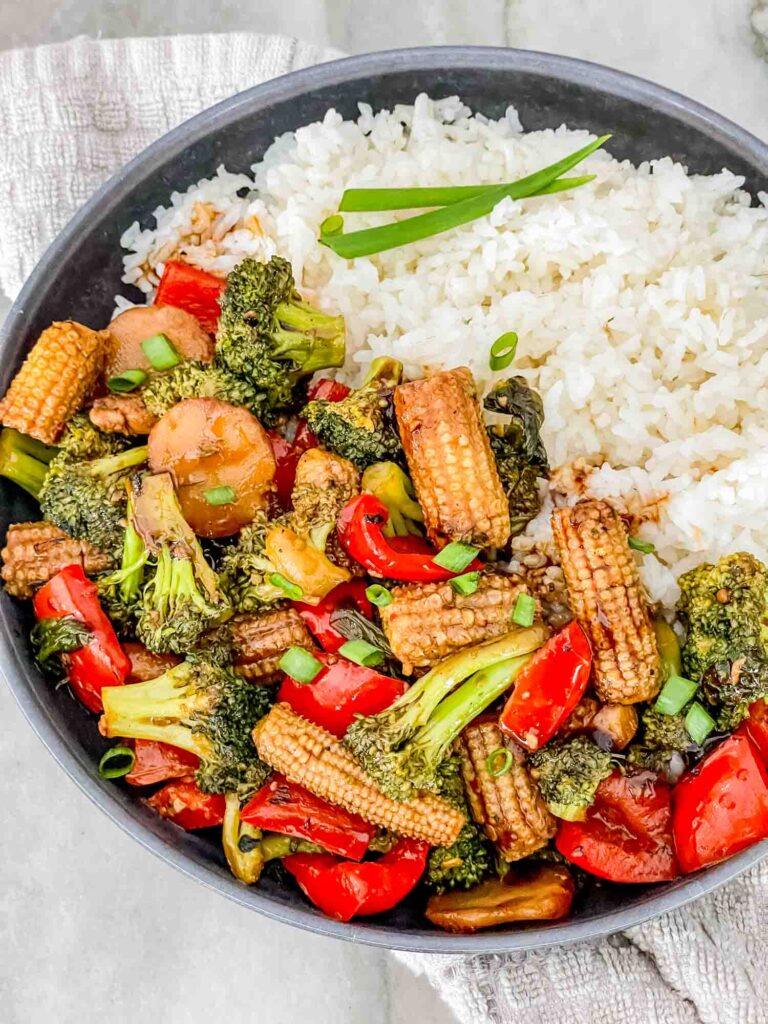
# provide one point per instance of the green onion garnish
(374, 200)
(503, 351)
(220, 495)
(455, 557)
(378, 595)
(675, 694)
(126, 381)
(362, 653)
(300, 665)
(498, 762)
(332, 225)
(292, 590)
(117, 762)
(466, 584)
(425, 225)
(645, 546)
(698, 723)
(160, 352)
(524, 611)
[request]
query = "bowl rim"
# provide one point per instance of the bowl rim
(108, 196)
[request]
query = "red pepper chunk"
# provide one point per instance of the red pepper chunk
(360, 529)
(192, 290)
(350, 594)
(721, 806)
(102, 661)
(158, 762)
(340, 692)
(627, 834)
(345, 889)
(185, 804)
(284, 807)
(756, 727)
(548, 688)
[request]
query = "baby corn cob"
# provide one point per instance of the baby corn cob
(606, 596)
(261, 640)
(57, 375)
(313, 758)
(509, 806)
(34, 552)
(428, 621)
(450, 459)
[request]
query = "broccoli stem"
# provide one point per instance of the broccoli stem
(306, 336)
(384, 372)
(113, 464)
(24, 460)
(275, 847)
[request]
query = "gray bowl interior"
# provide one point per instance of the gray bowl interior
(79, 275)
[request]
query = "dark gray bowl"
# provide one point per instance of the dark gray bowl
(80, 273)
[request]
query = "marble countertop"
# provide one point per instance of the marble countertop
(92, 927)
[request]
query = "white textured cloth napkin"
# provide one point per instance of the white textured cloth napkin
(70, 115)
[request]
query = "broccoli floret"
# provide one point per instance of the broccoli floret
(391, 485)
(324, 484)
(82, 442)
(24, 460)
(724, 610)
(569, 774)
(53, 637)
(192, 379)
(362, 426)
(87, 499)
(517, 447)
(203, 708)
(269, 337)
(470, 859)
(245, 570)
(182, 598)
(120, 591)
(663, 745)
(403, 747)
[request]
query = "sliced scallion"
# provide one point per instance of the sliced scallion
(645, 546)
(455, 557)
(220, 495)
(126, 381)
(378, 595)
(466, 584)
(503, 351)
(498, 762)
(300, 665)
(117, 762)
(332, 225)
(524, 611)
(292, 590)
(362, 653)
(160, 352)
(675, 694)
(698, 723)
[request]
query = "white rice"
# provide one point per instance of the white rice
(640, 301)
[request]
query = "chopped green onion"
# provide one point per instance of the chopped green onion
(455, 557)
(117, 762)
(220, 495)
(362, 653)
(292, 590)
(351, 244)
(300, 665)
(332, 225)
(126, 381)
(498, 762)
(374, 200)
(645, 546)
(524, 611)
(466, 584)
(160, 352)
(503, 351)
(675, 694)
(698, 723)
(378, 595)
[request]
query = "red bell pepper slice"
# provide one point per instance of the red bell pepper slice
(627, 834)
(345, 889)
(192, 290)
(340, 692)
(285, 807)
(350, 594)
(185, 804)
(548, 688)
(158, 762)
(102, 661)
(756, 727)
(361, 532)
(721, 806)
